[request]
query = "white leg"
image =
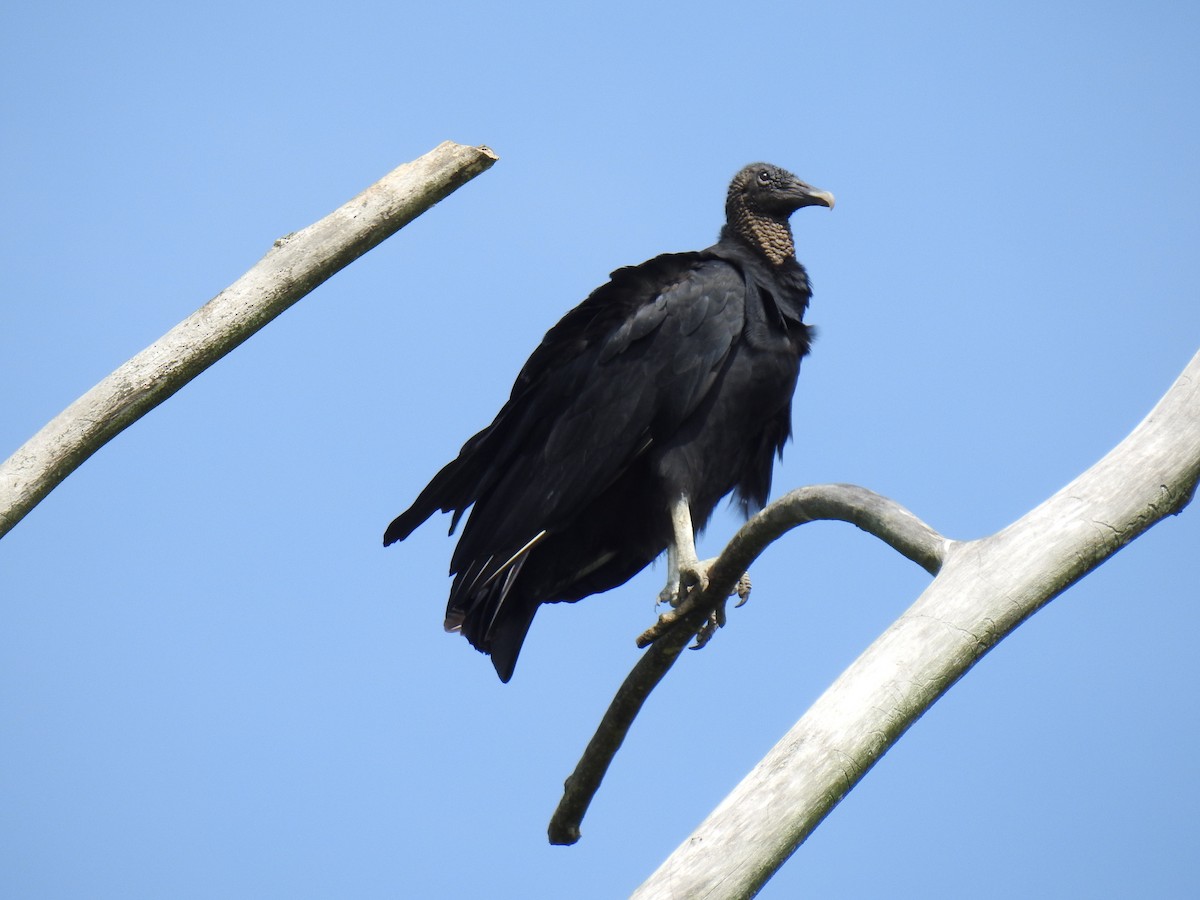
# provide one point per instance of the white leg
(670, 592)
(691, 572)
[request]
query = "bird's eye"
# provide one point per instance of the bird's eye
(764, 177)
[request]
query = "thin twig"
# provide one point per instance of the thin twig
(875, 514)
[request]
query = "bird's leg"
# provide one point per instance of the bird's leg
(691, 572)
(688, 576)
(684, 571)
(670, 592)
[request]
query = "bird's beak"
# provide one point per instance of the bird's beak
(802, 194)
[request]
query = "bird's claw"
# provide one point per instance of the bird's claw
(742, 589)
(715, 620)
(669, 594)
(695, 579)
(690, 579)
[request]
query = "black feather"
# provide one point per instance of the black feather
(674, 378)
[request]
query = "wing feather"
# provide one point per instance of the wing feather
(587, 418)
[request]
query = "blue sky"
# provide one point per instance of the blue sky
(214, 682)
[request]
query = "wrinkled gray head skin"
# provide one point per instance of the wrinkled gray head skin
(760, 200)
(767, 190)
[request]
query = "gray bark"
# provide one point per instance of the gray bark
(294, 266)
(877, 515)
(984, 589)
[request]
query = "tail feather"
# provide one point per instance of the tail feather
(495, 615)
(502, 635)
(508, 635)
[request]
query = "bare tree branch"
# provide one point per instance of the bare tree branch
(985, 589)
(876, 515)
(294, 266)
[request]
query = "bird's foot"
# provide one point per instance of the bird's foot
(716, 618)
(695, 577)
(670, 592)
(687, 579)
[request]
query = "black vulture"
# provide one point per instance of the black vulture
(666, 389)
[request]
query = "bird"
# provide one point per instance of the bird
(665, 390)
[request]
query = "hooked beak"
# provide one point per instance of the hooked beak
(801, 194)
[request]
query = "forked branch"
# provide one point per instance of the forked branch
(877, 515)
(984, 590)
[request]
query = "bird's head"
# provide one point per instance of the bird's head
(761, 199)
(767, 191)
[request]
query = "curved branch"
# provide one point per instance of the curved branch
(984, 591)
(873, 513)
(293, 267)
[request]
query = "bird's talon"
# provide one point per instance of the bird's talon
(715, 620)
(693, 579)
(742, 589)
(667, 595)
